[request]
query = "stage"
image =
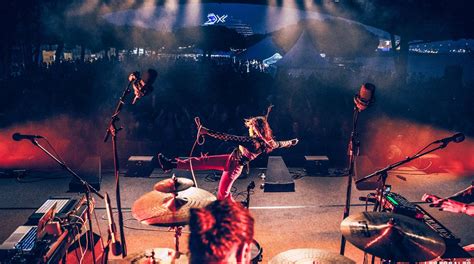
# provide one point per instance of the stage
(307, 218)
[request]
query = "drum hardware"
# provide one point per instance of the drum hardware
(256, 252)
(169, 205)
(392, 237)
(156, 255)
(309, 255)
(256, 249)
(174, 184)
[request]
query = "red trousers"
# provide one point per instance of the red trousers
(227, 163)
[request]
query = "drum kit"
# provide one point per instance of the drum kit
(388, 236)
(169, 204)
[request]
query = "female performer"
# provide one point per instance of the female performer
(260, 140)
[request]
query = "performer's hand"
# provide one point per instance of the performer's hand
(433, 199)
(469, 248)
(294, 142)
(132, 77)
(453, 206)
(203, 131)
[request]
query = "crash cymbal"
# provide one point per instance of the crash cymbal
(174, 184)
(157, 208)
(392, 236)
(309, 255)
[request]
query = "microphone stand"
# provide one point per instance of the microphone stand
(383, 173)
(112, 131)
(88, 189)
(353, 150)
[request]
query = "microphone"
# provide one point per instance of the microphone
(365, 97)
(18, 137)
(116, 246)
(142, 86)
(456, 138)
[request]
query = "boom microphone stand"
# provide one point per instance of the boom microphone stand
(383, 173)
(112, 130)
(87, 188)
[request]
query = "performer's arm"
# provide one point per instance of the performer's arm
(226, 137)
(464, 196)
(448, 204)
(457, 207)
(286, 143)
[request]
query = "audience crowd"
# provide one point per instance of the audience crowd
(314, 107)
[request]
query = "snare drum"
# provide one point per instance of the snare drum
(256, 252)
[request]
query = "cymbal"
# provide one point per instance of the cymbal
(157, 208)
(174, 184)
(309, 255)
(153, 255)
(392, 236)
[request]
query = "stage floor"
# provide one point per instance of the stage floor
(307, 218)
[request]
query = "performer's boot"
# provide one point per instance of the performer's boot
(166, 164)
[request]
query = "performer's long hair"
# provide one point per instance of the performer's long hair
(262, 131)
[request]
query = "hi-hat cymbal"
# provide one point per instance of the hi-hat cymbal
(157, 208)
(392, 236)
(309, 255)
(175, 184)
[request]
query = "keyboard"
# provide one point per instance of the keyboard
(27, 243)
(64, 206)
(23, 238)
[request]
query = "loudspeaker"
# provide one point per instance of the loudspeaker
(90, 171)
(140, 166)
(363, 166)
(316, 165)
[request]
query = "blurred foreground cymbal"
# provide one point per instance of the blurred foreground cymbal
(173, 184)
(153, 255)
(392, 236)
(309, 255)
(157, 208)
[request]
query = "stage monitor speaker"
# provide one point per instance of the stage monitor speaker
(140, 166)
(278, 177)
(91, 171)
(316, 165)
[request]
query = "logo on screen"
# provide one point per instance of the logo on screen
(214, 19)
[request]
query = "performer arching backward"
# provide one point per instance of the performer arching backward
(260, 140)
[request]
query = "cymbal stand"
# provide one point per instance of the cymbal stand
(178, 231)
